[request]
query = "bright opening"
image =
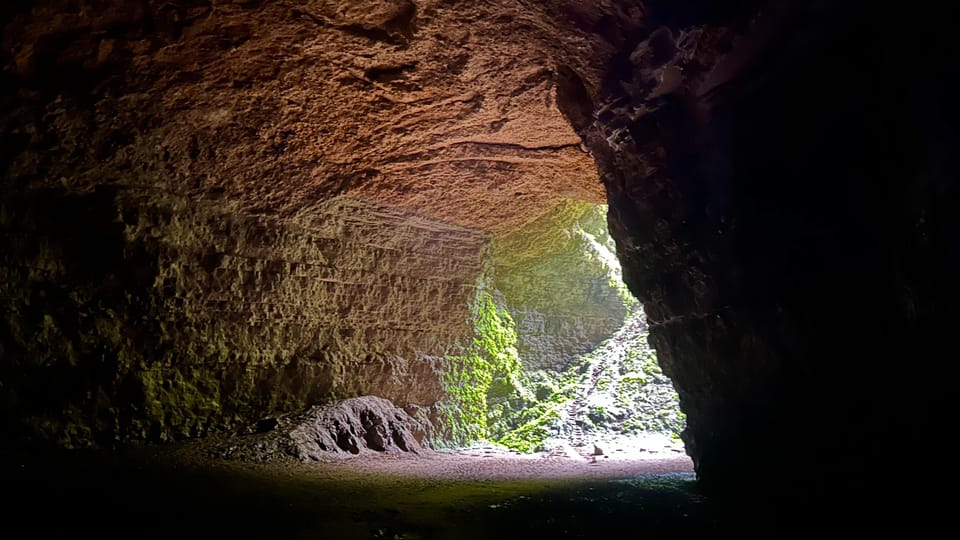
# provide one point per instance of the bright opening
(561, 363)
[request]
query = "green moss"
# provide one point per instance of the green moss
(489, 396)
(531, 420)
(560, 267)
(65, 430)
(531, 433)
(488, 371)
(179, 402)
(637, 369)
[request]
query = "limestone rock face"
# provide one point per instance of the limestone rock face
(449, 110)
(561, 281)
(163, 318)
(213, 209)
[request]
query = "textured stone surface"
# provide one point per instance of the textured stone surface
(446, 109)
(354, 426)
(786, 213)
(157, 317)
(561, 282)
(781, 175)
(179, 251)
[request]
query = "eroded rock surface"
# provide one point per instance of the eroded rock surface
(781, 176)
(446, 109)
(132, 316)
(216, 209)
(561, 281)
(791, 232)
(350, 427)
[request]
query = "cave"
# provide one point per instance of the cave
(233, 232)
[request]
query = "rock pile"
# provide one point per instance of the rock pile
(349, 427)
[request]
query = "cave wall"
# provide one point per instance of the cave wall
(212, 210)
(426, 106)
(781, 179)
(132, 316)
(783, 192)
(560, 280)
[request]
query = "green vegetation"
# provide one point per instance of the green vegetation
(527, 421)
(563, 263)
(488, 371)
(535, 427)
(492, 398)
(561, 267)
(630, 395)
(649, 407)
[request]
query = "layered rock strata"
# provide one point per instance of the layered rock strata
(130, 316)
(781, 178)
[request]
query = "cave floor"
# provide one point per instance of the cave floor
(475, 493)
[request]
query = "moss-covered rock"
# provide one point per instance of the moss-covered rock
(551, 294)
(561, 281)
(488, 372)
(618, 389)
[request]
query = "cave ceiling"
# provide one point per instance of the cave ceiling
(448, 110)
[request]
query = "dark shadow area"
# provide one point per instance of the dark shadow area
(82, 494)
(788, 220)
(140, 494)
(784, 198)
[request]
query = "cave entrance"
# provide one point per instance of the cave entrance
(574, 371)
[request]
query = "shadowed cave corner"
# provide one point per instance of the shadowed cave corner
(787, 216)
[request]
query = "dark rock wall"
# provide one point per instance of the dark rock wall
(784, 196)
(130, 315)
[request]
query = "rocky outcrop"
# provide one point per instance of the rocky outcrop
(355, 426)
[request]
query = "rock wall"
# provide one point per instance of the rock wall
(561, 282)
(785, 207)
(781, 177)
(131, 315)
(180, 249)
(445, 109)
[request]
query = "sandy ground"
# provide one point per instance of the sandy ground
(477, 493)
(473, 493)
(621, 458)
(598, 458)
